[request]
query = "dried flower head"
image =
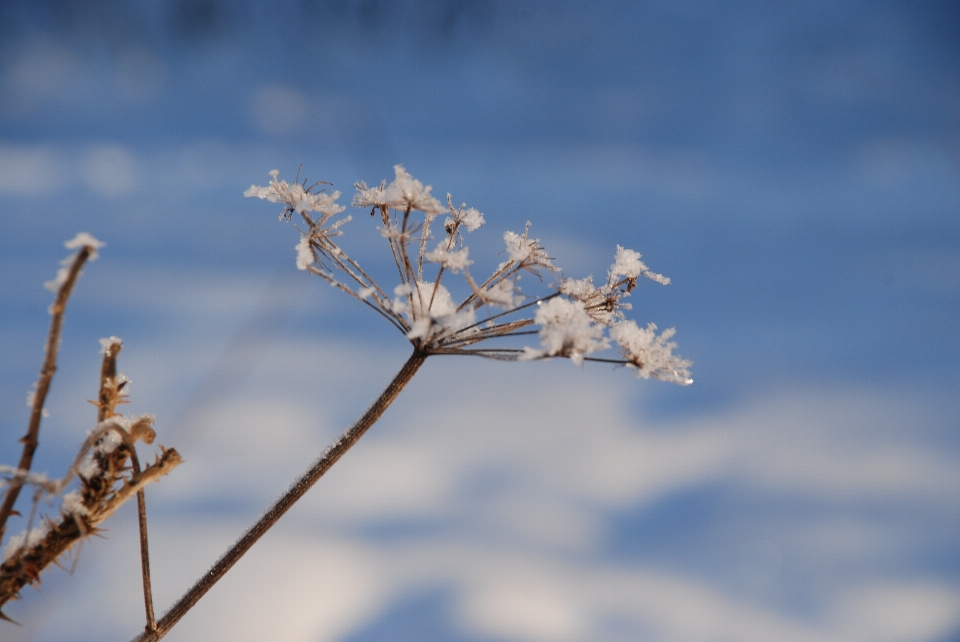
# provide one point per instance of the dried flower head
(576, 319)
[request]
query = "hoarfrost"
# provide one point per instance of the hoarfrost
(567, 330)
(25, 540)
(455, 260)
(109, 342)
(649, 354)
(304, 253)
(73, 504)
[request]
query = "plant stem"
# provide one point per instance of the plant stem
(49, 367)
(144, 547)
(282, 505)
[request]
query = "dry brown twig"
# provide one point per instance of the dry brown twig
(106, 465)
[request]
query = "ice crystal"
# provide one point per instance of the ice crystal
(455, 260)
(566, 330)
(296, 197)
(25, 540)
(649, 354)
(404, 193)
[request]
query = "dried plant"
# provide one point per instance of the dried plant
(574, 316)
(574, 319)
(106, 467)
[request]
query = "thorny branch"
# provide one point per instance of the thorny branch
(30, 440)
(106, 479)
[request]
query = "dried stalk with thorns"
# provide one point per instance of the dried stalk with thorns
(106, 466)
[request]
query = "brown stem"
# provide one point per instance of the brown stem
(282, 505)
(30, 440)
(144, 547)
(110, 396)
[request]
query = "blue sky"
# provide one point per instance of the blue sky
(794, 168)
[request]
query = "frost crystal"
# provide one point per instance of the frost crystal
(32, 398)
(109, 342)
(89, 468)
(25, 540)
(432, 302)
(566, 330)
(503, 295)
(650, 355)
(304, 253)
(527, 254)
(110, 440)
(296, 197)
(73, 504)
(463, 217)
(517, 250)
(455, 260)
(434, 313)
(627, 263)
(83, 239)
(405, 192)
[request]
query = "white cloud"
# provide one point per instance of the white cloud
(140, 74)
(29, 171)
(513, 477)
(840, 445)
(44, 71)
(279, 109)
(899, 612)
(111, 170)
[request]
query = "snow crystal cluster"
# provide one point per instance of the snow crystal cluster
(82, 239)
(576, 318)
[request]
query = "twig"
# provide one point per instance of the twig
(30, 440)
(144, 548)
(25, 568)
(282, 505)
(111, 394)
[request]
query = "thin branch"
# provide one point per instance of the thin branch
(506, 312)
(144, 547)
(25, 568)
(282, 505)
(30, 440)
(111, 394)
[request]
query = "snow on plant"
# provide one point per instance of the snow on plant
(106, 466)
(576, 319)
(573, 318)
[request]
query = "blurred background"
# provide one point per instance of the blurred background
(793, 167)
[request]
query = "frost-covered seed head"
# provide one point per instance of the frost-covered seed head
(574, 317)
(567, 330)
(650, 355)
(296, 197)
(405, 192)
(454, 260)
